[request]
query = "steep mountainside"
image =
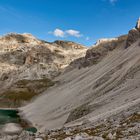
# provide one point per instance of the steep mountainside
(95, 93)
(98, 51)
(20, 50)
(26, 58)
(92, 95)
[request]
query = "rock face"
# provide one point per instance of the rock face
(26, 53)
(97, 52)
(23, 56)
(133, 34)
(100, 50)
(138, 25)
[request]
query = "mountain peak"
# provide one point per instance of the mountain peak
(133, 35)
(18, 38)
(138, 24)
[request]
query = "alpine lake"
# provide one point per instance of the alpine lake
(12, 116)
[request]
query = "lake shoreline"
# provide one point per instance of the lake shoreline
(14, 115)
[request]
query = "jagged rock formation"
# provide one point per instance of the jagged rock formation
(23, 56)
(20, 50)
(133, 35)
(97, 52)
(138, 24)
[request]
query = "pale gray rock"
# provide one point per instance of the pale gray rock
(97, 138)
(111, 137)
(38, 138)
(68, 138)
(12, 129)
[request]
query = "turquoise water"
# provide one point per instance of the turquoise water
(11, 116)
(31, 129)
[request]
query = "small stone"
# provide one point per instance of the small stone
(78, 137)
(138, 113)
(38, 139)
(68, 138)
(112, 136)
(97, 138)
(15, 137)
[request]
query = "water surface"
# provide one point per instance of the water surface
(11, 116)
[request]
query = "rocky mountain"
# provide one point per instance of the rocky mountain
(25, 59)
(99, 97)
(95, 92)
(98, 51)
(20, 50)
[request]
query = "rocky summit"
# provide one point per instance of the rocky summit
(79, 93)
(138, 24)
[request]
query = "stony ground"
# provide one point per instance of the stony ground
(124, 126)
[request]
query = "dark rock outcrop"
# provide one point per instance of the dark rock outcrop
(96, 53)
(133, 34)
(138, 25)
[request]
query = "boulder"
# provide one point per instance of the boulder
(12, 129)
(68, 138)
(38, 139)
(97, 138)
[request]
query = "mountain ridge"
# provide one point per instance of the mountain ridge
(89, 92)
(94, 93)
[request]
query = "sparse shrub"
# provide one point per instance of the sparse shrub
(78, 113)
(24, 90)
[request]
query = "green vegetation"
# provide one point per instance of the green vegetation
(78, 112)
(11, 116)
(104, 129)
(23, 91)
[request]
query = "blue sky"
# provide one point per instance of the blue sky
(82, 21)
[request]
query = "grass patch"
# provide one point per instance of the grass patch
(132, 119)
(79, 112)
(23, 91)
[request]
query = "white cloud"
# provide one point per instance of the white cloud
(73, 33)
(58, 33)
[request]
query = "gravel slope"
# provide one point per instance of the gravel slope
(106, 88)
